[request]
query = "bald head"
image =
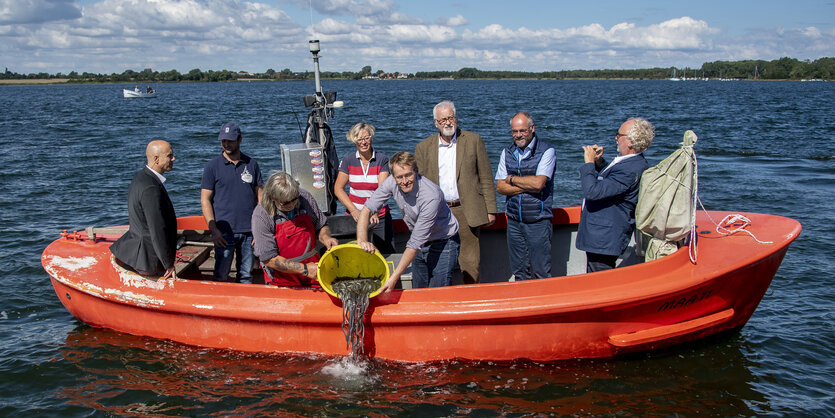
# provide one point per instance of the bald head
(160, 156)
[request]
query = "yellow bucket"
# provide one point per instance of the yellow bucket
(350, 260)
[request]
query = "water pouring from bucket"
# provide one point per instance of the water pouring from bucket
(349, 273)
(349, 261)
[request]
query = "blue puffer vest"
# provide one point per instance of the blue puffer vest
(529, 207)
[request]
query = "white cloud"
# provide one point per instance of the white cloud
(675, 34)
(365, 12)
(253, 35)
(421, 33)
(769, 44)
(681, 33)
(37, 11)
(812, 32)
(110, 34)
(334, 27)
(456, 20)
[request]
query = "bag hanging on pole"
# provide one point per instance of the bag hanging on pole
(666, 200)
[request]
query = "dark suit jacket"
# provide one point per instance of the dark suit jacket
(473, 172)
(608, 216)
(151, 240)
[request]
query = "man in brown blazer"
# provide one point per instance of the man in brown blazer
(456, 160)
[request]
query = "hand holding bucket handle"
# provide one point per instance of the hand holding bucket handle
(389, 285)
(367, 246)
(363, 224)
(312, 270)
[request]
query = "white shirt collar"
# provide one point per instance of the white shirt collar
(525, 151)
(159, 176)
(373, 155)
(451, 142)
(617, 159)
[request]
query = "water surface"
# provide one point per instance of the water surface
(69, 153)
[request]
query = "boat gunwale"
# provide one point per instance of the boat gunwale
(457, 303)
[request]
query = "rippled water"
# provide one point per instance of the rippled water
(69, 153)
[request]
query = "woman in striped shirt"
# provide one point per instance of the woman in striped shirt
(363, 171)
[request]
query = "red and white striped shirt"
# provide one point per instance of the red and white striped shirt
(363, 181)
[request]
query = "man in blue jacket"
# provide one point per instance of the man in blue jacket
(526, 176)
(611, 193)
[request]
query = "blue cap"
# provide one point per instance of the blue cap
(229, 131)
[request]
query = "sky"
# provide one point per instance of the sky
(111, 36)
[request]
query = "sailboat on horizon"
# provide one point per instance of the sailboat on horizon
(674, 78)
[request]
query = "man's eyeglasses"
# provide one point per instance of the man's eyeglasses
(520, 131)
(446, 120)
(618, 135)
(287, 203)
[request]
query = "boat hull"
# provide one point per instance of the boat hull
(636, 308)
(131, 94)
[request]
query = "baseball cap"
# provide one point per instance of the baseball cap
(229, 131)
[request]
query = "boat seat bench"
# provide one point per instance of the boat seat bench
(190, 255)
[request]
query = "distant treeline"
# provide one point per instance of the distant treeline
(781, 69)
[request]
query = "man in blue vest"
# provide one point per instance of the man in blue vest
(526, 176)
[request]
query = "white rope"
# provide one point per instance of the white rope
(731, 220)
(722, 227)
(694, 193)
(692, 250)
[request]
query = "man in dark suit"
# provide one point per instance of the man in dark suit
(456, 160)
(611, 193)
(149, 245)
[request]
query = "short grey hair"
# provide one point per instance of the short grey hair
(641, 134)
(525, 114)
(280, 187)
(445, 103)
(354, 133)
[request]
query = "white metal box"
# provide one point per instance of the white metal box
(306, 163)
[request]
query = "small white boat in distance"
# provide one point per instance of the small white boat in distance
(137, 93)
(672, 78)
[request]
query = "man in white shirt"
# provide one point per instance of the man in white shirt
(456, 160)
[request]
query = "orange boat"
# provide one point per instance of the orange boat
(639, 307)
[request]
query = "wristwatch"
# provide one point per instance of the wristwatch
(304, 269)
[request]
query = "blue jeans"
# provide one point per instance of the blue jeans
(435, 262)
(239, 246)
(529, 248)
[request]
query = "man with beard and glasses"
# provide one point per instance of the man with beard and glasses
(230, 190)
(456, 160)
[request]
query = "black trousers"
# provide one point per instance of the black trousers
(600, 262)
